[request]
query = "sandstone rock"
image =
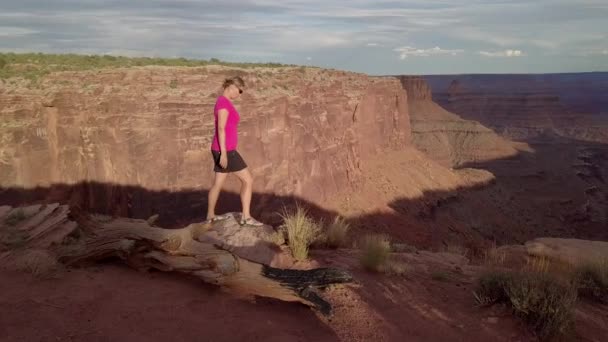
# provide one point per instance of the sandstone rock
(529, 106)
(445, 136)
(303, 132)
(254, 244)
(573, 251)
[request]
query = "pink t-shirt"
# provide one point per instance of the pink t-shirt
(231, 124)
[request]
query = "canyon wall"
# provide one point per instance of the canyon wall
(112, 135)
(445, 136)
(529, 106)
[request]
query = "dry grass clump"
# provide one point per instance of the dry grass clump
(375, 252)
(335, 234)
(542, 297)
(40, 263)
(592, 280)
(301, 231)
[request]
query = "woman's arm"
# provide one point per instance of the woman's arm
(221, 129)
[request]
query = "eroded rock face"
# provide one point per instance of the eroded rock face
(526, 107)
(445, 136)
(303, 132)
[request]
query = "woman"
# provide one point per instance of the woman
(225, 156)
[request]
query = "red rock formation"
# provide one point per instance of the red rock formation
(445, 136)
(304, 131)
(528, 106)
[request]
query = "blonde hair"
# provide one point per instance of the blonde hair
(236, 80)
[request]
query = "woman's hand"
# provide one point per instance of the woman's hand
(223, 160)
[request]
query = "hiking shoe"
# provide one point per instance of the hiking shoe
(250, 221)
(217, 218)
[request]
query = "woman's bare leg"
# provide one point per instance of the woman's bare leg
(246, 191)
(214, 193)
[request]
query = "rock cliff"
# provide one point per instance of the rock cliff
(445, 136)
(529, 106)
(303, 131)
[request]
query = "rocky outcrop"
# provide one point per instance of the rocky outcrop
(572, 251)
(417, 88)
(445, 136)
(304, 132)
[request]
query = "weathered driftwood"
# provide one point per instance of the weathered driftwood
(246, 260)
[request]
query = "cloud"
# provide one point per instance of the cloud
(588, 52)
(407, 51)
(11, 31)
(505, 53)
(335, 35)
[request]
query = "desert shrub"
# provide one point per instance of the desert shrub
(403, 248)
(375, 252)
(440, 275)
(335, 233)
(592, 280)
(491, 287)
(543, 300)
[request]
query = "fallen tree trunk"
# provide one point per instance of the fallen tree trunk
(242, 259)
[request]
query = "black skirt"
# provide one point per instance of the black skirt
(235, 162)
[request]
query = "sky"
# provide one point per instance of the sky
(373, 37)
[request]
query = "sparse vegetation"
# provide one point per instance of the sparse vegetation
(63, 82)
(12, 238)
(15, 217)
(335, 233)
(396, 268)
(301, 230)
(542, 299)
(457, 249)
(35, 65)
(491, 288)
(494, 256)
(375, 252)
(278, 237)
(403, 248)
(440, 276)
(592, 280)
(39, 263)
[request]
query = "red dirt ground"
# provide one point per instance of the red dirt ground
(114, 303)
